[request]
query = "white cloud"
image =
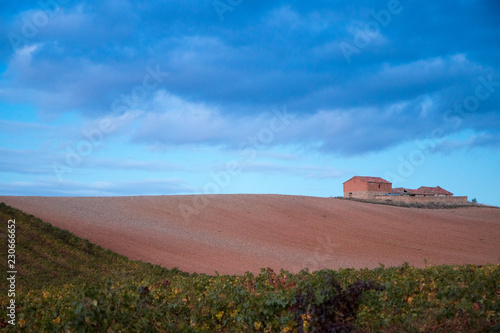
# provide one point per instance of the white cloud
(97, 188)
(178, 121)
(23, 56)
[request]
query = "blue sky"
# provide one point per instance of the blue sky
(121, 97)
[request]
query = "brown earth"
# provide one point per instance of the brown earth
(232, 234)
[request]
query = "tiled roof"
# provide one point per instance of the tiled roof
(423, 190)
(418, 191)
(433, 190)
(372, 179)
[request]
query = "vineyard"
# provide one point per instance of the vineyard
(66, 284)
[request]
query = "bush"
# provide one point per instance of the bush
(329, 307)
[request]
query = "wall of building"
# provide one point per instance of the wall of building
(362, 194)
(410, 199)
(355, 185)
(384, 188)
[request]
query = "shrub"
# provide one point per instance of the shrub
(329, 307)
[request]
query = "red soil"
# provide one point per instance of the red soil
(232, 234)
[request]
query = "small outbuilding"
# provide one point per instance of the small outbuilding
(426, 191)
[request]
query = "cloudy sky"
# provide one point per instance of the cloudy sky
(120, 97)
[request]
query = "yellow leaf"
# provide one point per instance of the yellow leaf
(219, 315)
(410, 299)
(57, 320)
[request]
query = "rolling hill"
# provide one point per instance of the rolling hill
(66, 283)
(232, 234)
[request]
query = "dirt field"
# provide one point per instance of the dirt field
(232, 234)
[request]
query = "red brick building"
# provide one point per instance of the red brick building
(380, 189)
(366, 187)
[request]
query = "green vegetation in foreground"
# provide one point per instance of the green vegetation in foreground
(66, 284)
(427, 205)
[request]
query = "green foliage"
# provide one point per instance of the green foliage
(115, 294)
(326, 307)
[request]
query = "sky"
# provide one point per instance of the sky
(117, 97)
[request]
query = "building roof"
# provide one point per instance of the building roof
(371, 180)
(423, 190)
(418, 191)
(433, 190)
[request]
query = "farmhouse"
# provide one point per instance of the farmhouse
(380, 189)
(366, 187)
